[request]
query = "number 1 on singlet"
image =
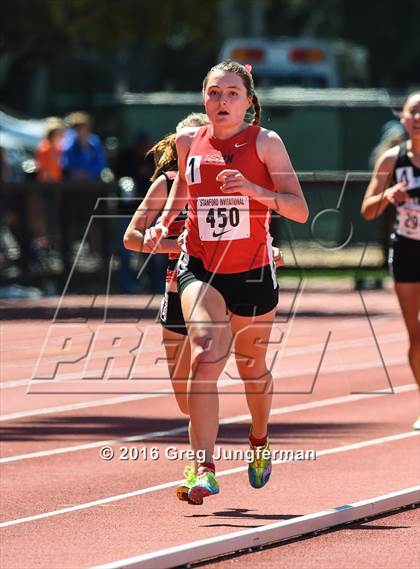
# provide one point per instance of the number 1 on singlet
(193, 170)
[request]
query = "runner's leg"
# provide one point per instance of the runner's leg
(251, 337)
(204, 312)
(409, 299)
(177, 348)
(178, 355)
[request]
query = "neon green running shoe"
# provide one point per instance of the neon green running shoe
(205, 485)
(183, 489)
(259, 470)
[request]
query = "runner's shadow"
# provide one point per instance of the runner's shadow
(375, 528)
(78, 427)
(281, 432)
(242, 514)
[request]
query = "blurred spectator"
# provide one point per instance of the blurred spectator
(23, 231)
(112, 150)
(42, 211)
(135, 163)
(83, 153)
(83, 160)
(9, 249)
(49, 151)
(133, 169)
(4, 166)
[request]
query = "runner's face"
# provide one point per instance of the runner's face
(410, 116)
(225, 99)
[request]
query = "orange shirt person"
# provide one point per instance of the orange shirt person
(48, 154)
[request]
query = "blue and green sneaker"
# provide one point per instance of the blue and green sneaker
(205, 485)
(183, 489)
(259, 470)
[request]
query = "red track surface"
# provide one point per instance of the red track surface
(330, 333)
(387, 542)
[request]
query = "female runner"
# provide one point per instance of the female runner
(396, 181)
(232, 173)
(174, 332)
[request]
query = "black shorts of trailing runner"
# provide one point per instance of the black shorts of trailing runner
(170, 313)
(251, 293)
(404, 259)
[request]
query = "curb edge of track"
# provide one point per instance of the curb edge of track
(213, 548)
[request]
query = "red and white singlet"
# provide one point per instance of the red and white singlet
(228, 232)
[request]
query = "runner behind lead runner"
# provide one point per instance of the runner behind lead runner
(396, 181)
(174, 331)
(233, 174)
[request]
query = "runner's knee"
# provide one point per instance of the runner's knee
(255, 376)
(252, 368)
(207, 347)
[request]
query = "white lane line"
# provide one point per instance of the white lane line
(168, 392)
(354, 322)
(84, 405)
(118, 497)
(335, 345)
(213, 547)
(226, 421)
(283, 374)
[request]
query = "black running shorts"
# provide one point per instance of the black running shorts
(170, 313)
(404, 259)
(250, 293)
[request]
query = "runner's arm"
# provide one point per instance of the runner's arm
(378, 195)
(178, 195)
(287, 199)
(144, 216)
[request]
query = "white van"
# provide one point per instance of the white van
(306, 62)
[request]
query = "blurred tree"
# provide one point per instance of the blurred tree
(46, 28)
(170, 43)
(103, 46)
(390, 31)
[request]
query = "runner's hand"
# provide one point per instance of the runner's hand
(233, 181)
(397, 194)
(153, 236)
(278, 258)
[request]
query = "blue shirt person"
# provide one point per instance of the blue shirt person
(83, 152)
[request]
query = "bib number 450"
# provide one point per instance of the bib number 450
(224, 216)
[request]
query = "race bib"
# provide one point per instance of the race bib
(409, 221)
(224, 218)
